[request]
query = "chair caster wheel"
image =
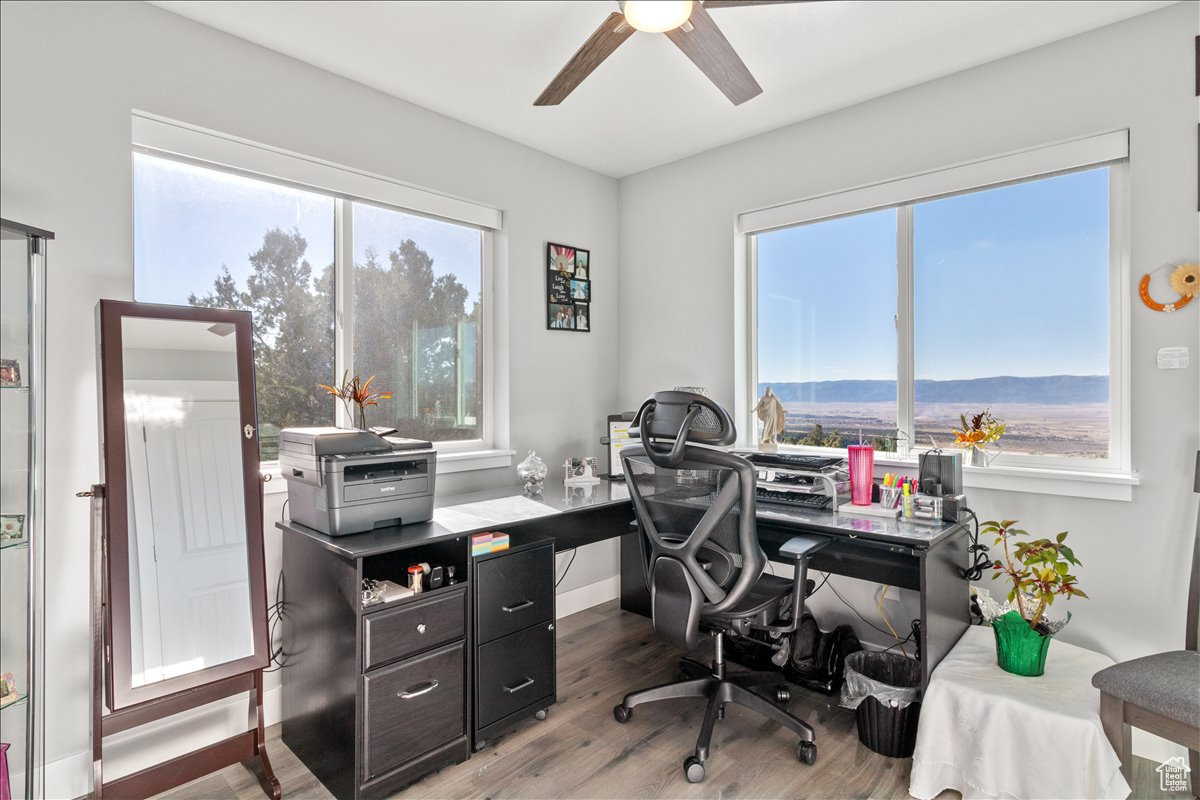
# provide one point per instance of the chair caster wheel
(693, 769)
(479, 745)
(782, 695)
(540, 714)
(622, 714)
(806, 752)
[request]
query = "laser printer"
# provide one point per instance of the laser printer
(344, 481)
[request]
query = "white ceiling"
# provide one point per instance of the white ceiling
(485, 62)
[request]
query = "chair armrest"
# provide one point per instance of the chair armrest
(801, 547)
(798, 549)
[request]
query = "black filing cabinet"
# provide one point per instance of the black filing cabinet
(374, 697)
(514, 637)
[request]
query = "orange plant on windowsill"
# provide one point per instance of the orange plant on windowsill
(356, 395)
(977, 435)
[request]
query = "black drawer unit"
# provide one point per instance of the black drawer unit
(375, 697)
(513, 591)
(410, 708)
(513, 637)
(414, 626)
(515, 672)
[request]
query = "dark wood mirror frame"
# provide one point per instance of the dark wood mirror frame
(131, 706)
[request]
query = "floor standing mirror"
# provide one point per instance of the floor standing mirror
(178, 581)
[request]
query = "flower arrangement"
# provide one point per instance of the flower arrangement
(1037, 569)
(356, 395)
(981, 431)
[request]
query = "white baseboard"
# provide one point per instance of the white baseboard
(583, 597)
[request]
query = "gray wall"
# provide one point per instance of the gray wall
(73, 72)
(677, 226)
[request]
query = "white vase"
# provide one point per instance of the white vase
(978, 457)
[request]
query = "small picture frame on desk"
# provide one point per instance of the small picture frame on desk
(580, 471)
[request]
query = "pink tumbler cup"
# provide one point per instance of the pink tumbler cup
(862, 471)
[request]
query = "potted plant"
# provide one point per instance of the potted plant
(356, 395)
(983, 430)
(1038, 570)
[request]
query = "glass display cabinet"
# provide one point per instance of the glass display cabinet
(22, 404)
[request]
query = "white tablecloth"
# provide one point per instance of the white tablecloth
(988, 734)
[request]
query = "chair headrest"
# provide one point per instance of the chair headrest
(667, 420)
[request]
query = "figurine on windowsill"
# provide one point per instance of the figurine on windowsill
(774, 418)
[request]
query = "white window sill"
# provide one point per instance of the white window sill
(469, 460)
(447, 463)
(1095, 485)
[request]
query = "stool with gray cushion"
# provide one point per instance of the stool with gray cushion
(1159, 693)
(704, 565)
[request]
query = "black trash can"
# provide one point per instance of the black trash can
(884, 689)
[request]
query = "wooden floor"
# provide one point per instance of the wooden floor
(580, 751)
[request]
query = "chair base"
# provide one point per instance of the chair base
(720, 689)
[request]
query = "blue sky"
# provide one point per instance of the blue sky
(189, 221)
(1008, 281)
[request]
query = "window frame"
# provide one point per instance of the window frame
(172, 140)
(1108, 478)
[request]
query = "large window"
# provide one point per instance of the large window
(335, 285)
(826, 333)
(890, 324)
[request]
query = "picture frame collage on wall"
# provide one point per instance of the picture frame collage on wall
(568, 288)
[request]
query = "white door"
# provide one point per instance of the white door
(188, 506)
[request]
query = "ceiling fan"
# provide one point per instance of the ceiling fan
(684, 22)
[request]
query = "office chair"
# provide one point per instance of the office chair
(704, 566)
(1159, 693)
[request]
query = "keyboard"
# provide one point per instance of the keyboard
(794, 499)
(793, 461)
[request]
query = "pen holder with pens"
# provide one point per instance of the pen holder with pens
(889, 496)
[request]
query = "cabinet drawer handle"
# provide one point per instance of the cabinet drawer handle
(518, 606)
(407, 695)
(522, 685)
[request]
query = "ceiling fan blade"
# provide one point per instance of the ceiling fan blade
(732, 3)
(599, 46)
(709, 50)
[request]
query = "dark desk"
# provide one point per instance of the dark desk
(345, 661)
(908, 555)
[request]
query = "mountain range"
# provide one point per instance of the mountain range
(1045, 389)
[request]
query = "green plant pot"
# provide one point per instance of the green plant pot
(1019, 649)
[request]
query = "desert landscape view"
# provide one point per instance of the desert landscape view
(1078, 429)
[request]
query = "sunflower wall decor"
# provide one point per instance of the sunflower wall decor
(1185, 280)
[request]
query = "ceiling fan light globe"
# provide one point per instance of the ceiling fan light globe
(657, 16)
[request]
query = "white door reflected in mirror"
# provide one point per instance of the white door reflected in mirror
(188, 561)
